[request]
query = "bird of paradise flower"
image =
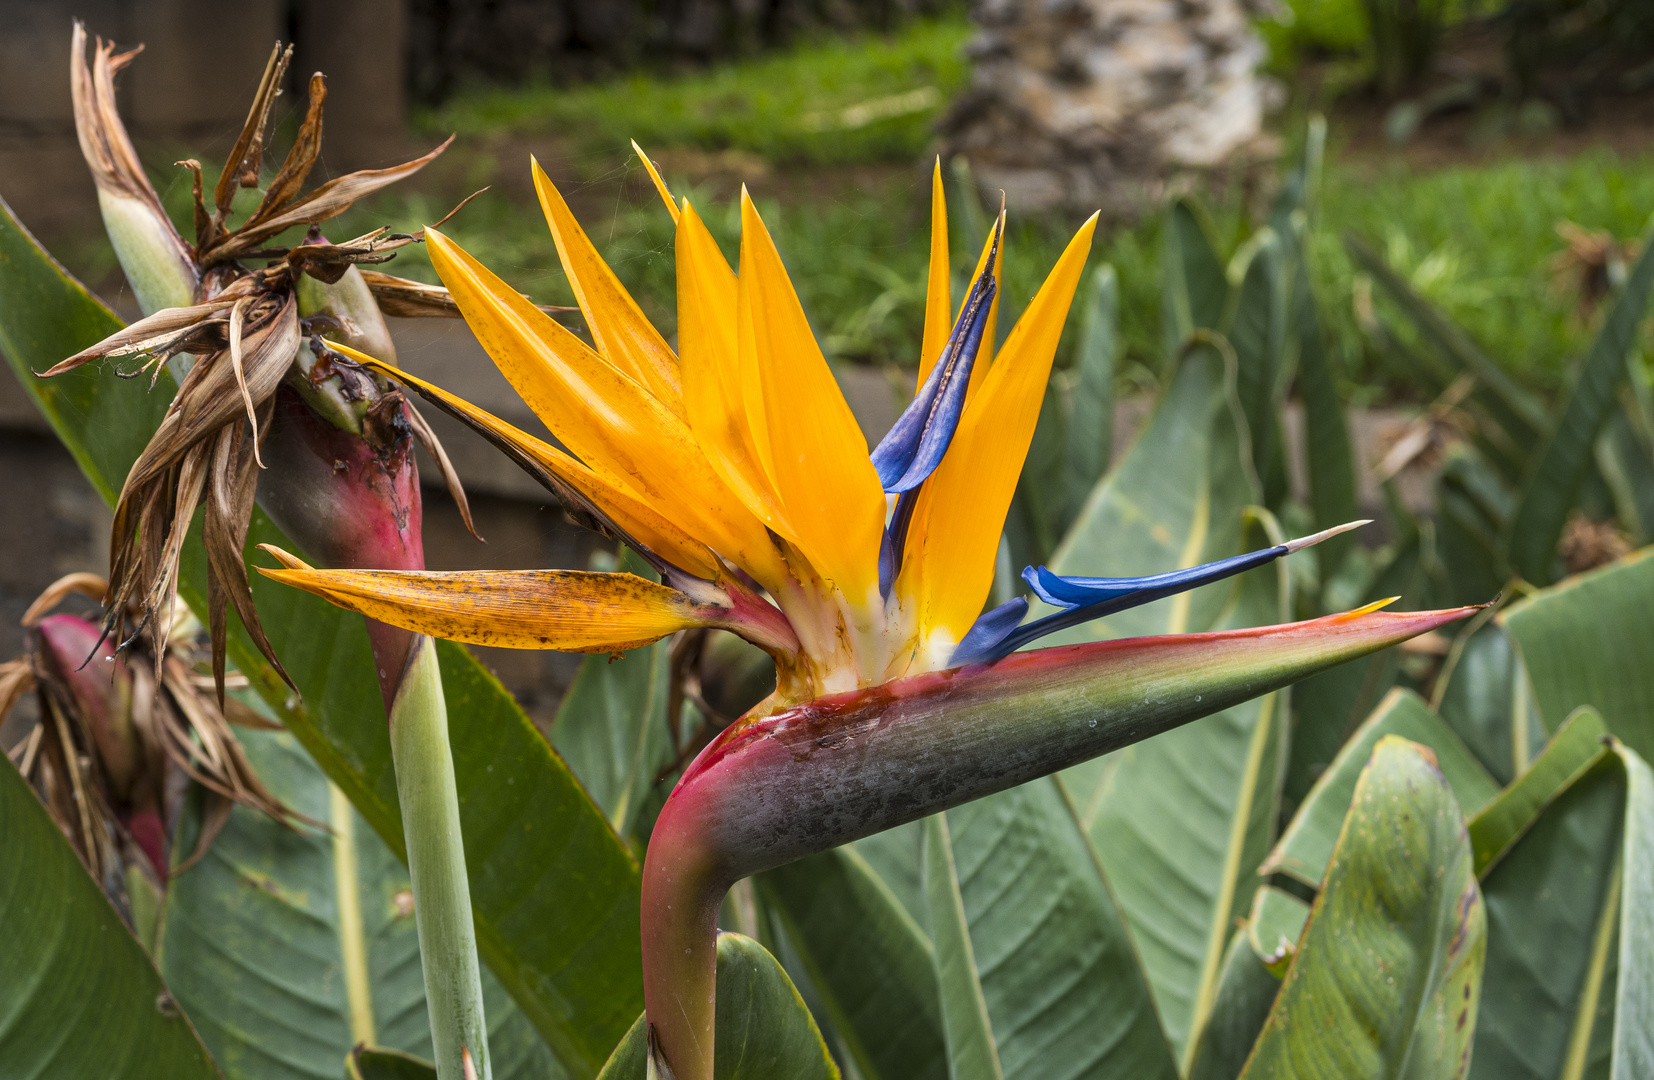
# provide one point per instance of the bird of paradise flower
(735, 467)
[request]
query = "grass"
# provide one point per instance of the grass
(842, 100)
(1478, 240)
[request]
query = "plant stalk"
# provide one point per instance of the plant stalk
(436, 863)
(352, 499)
(833, 770)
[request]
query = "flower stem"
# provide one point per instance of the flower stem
(352, 499)
(771, 790)
(436, 863)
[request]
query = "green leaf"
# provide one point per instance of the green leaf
(1275, 925)
(378, 1063)
(1258, 956)
(1522, 415)
(1062, 983)
(1305, 848)
(1037, 509)
(1626, 463)
(869, 961)
(1137, 523)
(1483, 695)
(1088, 434)
(1301, 190)
(1473, 507)
(1585, 642)
(1258, 333)
(1553, 487)
(972, 1053)
(78, 996)
(288, 947)
(1246, 990)
(1329, 707)
(896, 856)
(1195, 291)
(1633, 1045)
(1551, 902)
(1181, 820)
(1328, 453)
(1387, 975)
(534, 841)
(46, 315)
(611, 726)
(1577, 746)
(764, 1032)
(1571, 956)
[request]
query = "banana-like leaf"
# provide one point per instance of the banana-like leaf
(869, 961)
(1580, 875)
(1037, 507)
(1586, 642)
(1388, 973)
(1246, 990)
(535, 842)
(288, 947)
(1136, 523)
(1625, 459)
(1274, 927)
(897, 857)
(1258, 956)
(1073, 442)
(78, 997)
(1049, 953)
(1307, 845)
(611, 730)
(378, 1063)
(1633, 1038)
(1088, 435)
(1180, 821)
(1578, 745)
(1195, 292)
(1328, 453)
(1258, 331)
(1553, 487)
(1329, 707)
(1473, 510)
(764, 1032)
(1570, 975)
(611, 726)
(1483, 694)
(969, 1033)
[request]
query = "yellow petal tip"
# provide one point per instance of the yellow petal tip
(291, 562)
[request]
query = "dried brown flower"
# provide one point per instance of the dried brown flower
(239, 331)
(114, 744)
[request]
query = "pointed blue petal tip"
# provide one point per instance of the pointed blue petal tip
(915, 444)
(1083, 599)
(986, 633)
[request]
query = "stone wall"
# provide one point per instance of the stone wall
(1080, 104)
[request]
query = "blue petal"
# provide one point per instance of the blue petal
(887, 563)
(1069, 592)
(981, 641)
(916, 442)
(893, 542)
(1084, 599)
